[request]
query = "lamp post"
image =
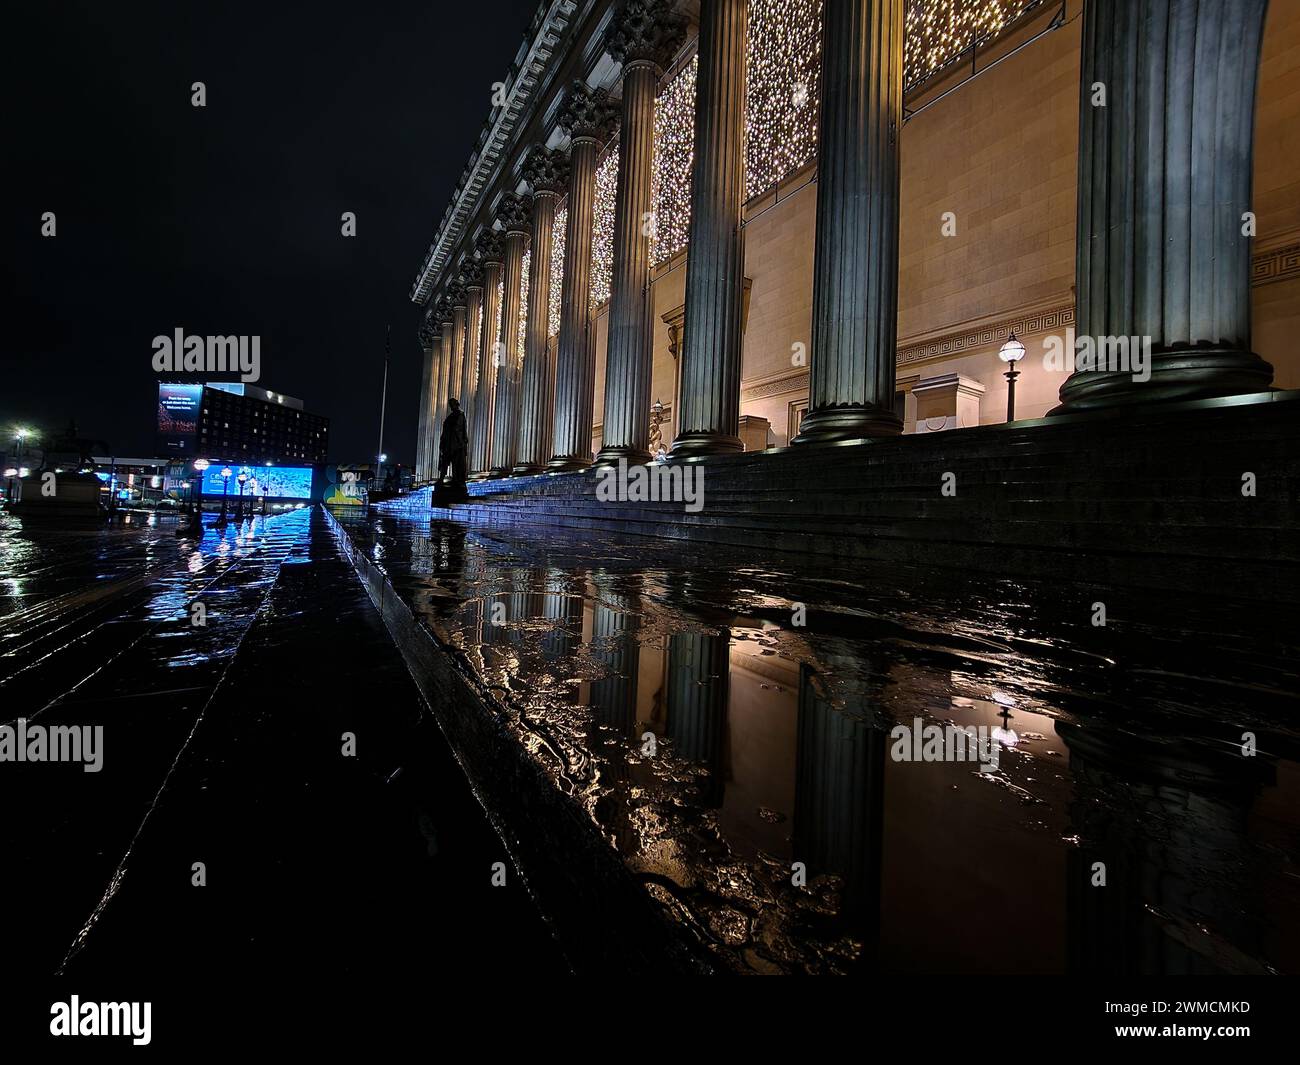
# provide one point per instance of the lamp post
(243, 480)
(226, 474)
(1012, 352)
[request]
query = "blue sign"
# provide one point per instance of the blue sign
(274, 482)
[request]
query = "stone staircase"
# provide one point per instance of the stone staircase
(1145, 497)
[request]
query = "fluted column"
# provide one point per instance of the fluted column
(644, 36)
(424, 430)
(459, 298)
(516, 214)
(492, 254)
(855, 261)
(473, 335)
(446, 367)
(588, 118)
(708, 420)
(547, 173)
(1165, 169)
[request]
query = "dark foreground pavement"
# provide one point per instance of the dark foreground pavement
(318, 865)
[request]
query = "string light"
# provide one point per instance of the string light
(671, 171)
(525, 265)
(783, 75)
(558, 229)
(936, 32)
(602, 237)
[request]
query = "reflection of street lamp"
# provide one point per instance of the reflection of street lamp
(226, 474)
(200, 467)
(1012, 352)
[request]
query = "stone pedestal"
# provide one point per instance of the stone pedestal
(949, 401)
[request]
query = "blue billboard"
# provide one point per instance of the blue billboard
(274, 482)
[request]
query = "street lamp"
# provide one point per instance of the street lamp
(1012, 352)
(242, 479)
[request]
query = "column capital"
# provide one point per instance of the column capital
(516, 214)
(646, 32)
(546, 171)
(471, 275)
(456, 295)
(426, 331)
(588, 114)
(490, 247)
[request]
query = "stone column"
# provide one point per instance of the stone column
(427, 412)
(473, 274)
(708, 417)
(588, 118)
(644, 37)
(1165, 170)
(445, 370)
(516, 215)
(458, 297)
(547, 173)
(855, 259)
(492, 255)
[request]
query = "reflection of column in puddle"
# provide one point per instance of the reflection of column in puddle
(839, 797)
(1169, 826)
(613, 703)
(615, 646)
(563, 612)
(699, 687)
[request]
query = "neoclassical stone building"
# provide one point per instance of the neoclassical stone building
(702, 226)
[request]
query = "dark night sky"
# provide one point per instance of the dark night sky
(226, 219)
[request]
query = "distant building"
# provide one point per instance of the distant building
(233, 422)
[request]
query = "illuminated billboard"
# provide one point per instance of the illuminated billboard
(274, 482)
(178, 417)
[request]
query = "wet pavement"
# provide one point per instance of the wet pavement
(726, 725)
(223, 745)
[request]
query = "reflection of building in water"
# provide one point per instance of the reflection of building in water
(699, 688)
(1171, 826)
(839, 797)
